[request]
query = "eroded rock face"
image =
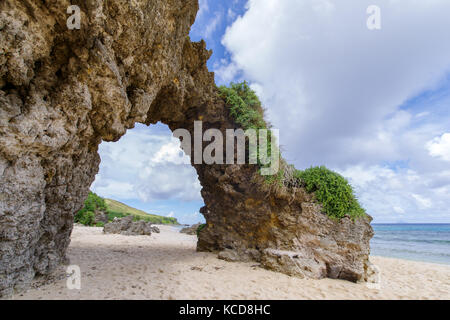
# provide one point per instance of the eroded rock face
(283, 228)
(64, 91)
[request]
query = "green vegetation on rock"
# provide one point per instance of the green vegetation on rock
(200, 228)
(277, 180)
(245, 106)
(332, 190)
(92, 204)
(246, 109)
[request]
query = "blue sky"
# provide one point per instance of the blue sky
(372, 105)
(212, 21)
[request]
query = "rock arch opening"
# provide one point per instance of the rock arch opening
(147, 169)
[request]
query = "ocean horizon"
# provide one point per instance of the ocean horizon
(427, 242)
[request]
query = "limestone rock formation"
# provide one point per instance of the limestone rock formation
(64, 91)
(101, 217)
(126, 226)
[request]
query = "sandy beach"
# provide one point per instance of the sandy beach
(166, 266)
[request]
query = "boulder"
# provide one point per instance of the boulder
(126, 226)
(155, 229)
(101, 217)
(192, 230)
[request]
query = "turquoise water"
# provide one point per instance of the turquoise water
(421, 242)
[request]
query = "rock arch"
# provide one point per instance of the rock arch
(64, 91)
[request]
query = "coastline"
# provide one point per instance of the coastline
(167, 266)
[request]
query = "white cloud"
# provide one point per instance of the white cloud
(110, 188)
(339, 92)
(387, 193)
(225, 72)
(422, 201)
(191, 218)
(208, 20)
(399, 210)
(440, 147)
(171, 152)
(203, 9)
(422, 114)
(212, 24)
(231, 15)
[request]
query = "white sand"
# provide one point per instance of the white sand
(166, 266)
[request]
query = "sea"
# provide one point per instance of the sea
(420, 242)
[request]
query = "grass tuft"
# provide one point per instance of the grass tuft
(246, 109)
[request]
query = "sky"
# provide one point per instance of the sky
(373, 105)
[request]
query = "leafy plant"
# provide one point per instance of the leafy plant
(200, 228)
(276, 179)
(92, 204)
(332, 190)
(245, 106)
(85, 217)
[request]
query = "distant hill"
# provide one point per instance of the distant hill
(119, 208)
